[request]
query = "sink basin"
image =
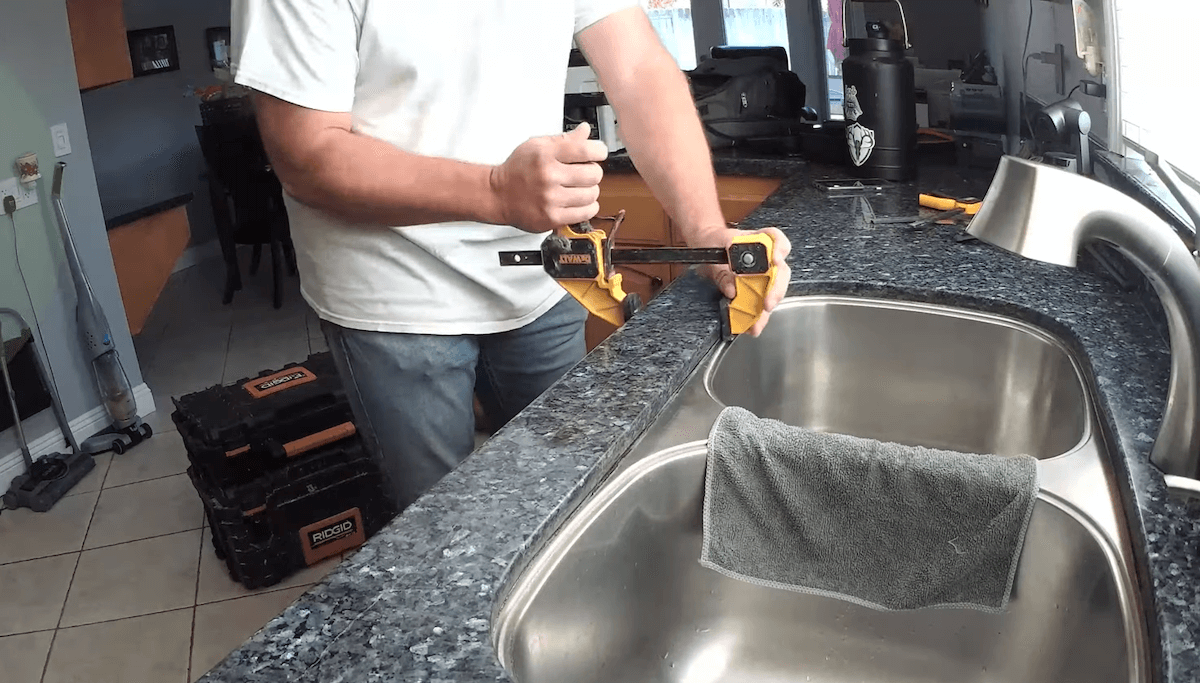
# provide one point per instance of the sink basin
(909, 374)
(618, 594)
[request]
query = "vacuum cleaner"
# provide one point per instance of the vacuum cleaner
(127, 429)
(48, 478)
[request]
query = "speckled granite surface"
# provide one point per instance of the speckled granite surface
(415, 603)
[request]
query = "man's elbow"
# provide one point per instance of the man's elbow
(301, 146)
(301, 172)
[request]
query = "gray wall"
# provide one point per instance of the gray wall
(38, 89)
(1004, 26)
(143, 129)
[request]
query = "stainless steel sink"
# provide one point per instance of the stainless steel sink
(618, 594)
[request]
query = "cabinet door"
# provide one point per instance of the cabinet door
(646, 280)
(98, 38)
(741, 195)
(645, 221)
(647, 224)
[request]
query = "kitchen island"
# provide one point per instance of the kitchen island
(416, 602)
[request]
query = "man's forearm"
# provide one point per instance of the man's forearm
(666, 142)
(365, 180)
(544, 183)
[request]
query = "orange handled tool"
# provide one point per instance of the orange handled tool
(944, 203)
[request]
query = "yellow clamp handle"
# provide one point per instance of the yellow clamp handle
(602, 296)
(747, 305)
(930, 201)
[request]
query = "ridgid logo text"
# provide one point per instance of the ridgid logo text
(332, 532)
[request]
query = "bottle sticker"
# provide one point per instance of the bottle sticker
(860, 138)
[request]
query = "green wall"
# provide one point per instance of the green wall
(38, 89)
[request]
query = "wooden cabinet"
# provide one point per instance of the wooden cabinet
(144, 253)
(647, 224)
(98, 39)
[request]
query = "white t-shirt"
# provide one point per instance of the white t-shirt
(462, 79)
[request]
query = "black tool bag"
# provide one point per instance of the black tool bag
(747, 98)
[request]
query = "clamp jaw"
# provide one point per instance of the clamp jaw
(583, 261)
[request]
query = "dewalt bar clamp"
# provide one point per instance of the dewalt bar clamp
(582, 259)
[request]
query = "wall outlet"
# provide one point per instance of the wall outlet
(26, 195)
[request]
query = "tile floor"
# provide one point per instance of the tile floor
(119, 582)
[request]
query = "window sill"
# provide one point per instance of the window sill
(1133, 176)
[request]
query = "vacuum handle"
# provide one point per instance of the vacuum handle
(56, 187)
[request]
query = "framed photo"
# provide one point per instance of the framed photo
(218, 47)
(153, 50)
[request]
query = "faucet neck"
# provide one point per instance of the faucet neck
(1048, 214)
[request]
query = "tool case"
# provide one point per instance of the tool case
(236, 432)
(283, 475)
(329, 502)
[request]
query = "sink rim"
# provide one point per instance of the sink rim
(1067, 481)
(711, 365)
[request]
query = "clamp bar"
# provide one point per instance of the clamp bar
(583, 262)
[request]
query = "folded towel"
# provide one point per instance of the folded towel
(881, 525)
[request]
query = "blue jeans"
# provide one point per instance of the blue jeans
(412, 395)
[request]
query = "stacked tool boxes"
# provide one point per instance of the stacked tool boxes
(283, 475)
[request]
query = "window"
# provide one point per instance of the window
(1154, 56)
(756, 23)
(672, 19)
(834, 52)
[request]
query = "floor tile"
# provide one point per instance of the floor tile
(33, 593)
(146, 509)
(160, 420)
(162, 455)
(215, 583)
(149, 649)
(251, 354)
(24, 656)
(256, 308)
(198, 337)
(184, 372)
(93, 480)
(133, 579)
(28, 535)
(222, 627)
(146, 346)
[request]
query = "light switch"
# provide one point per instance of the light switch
(62, 140)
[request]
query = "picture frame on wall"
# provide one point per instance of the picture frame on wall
(153, 50)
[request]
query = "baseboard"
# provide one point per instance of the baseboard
(197, 253)
(83, 426)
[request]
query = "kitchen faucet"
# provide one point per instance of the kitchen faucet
(1048, 214)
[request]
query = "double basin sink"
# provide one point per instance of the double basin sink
(617, 592)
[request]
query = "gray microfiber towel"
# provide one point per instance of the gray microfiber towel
(882, 525)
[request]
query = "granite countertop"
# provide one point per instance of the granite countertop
(415, 603)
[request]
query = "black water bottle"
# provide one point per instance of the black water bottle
(880, 104)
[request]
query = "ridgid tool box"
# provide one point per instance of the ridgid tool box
(281, 471)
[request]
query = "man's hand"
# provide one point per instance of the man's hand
(726, 280)
(551, 181)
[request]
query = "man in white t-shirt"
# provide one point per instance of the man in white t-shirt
(417, 139)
